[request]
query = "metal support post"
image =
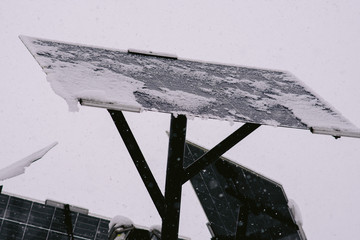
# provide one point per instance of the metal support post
(139, 160)
(174, 171)
(68, 222)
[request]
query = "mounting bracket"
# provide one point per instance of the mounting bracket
(168, 206)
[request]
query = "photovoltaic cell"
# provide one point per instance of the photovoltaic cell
(26, 220)
(22, 219)
(237, 199)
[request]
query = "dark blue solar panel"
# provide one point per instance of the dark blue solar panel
(18, 210)
(35, 233)
(86, 226)
(41, 215)
(11, 230)
(102, 229)
(26, 220)
(3, 202)
(227, 191)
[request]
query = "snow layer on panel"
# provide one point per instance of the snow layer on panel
(296, 212)
(314, 113)
(74, 80)
(201, 89)
(19, 167)
(79, 82)
(186, 100)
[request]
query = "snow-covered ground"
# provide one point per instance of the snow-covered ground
(319, 42)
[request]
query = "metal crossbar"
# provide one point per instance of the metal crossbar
(214, 154)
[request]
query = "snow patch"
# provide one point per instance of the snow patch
(262, 105)
(296, 212)
(311, 111)
(19, 167)
(207, 90)
(236, 92)
(185, 100)
(120, 221)
(271, 122)
(156, 228)
(233, 80)
(75, 82)
(234, 113)
(260, 85)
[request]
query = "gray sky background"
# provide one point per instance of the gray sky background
(317, 41)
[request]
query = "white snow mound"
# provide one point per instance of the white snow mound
(120, 221)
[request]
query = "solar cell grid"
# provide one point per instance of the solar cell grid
(26, 220)
(41, 215)
(224, 186)
(22, 219)
(3, 203)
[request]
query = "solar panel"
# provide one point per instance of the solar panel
(240, 202)
(135, 81)
(24, 220)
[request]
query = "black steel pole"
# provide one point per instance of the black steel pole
(68, 222)
(174, 172)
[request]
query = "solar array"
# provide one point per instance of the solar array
(23, 219)
(134, 81)
(240, 202)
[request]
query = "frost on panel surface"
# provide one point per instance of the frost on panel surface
(120, 80)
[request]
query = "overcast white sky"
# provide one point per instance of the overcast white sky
(317, 41)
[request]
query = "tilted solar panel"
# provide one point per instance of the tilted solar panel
(240, 202)
(133, 82)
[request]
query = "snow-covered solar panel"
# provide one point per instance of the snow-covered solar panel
(23, 219)
(134, 82)
(224, 186)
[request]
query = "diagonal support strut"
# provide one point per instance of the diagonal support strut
(212, 155)
(139, 160)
